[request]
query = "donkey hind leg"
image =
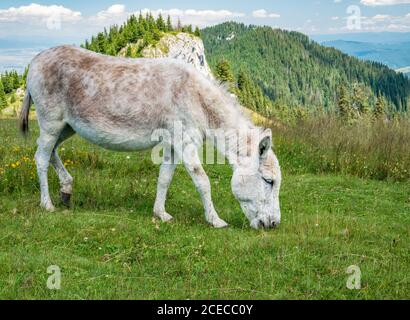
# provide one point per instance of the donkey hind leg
(194, 167)
(66, 181)
(46, 144)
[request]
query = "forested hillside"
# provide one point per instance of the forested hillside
(291, 68)
(144, 30)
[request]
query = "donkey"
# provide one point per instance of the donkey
(117, 103)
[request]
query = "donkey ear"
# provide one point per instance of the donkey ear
(265, 143)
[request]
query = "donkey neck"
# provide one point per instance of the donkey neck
(233, 136)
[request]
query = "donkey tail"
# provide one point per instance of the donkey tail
(24, 114)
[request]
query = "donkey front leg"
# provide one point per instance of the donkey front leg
(194, 167)
(165, 177)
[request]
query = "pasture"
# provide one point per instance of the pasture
(109, 247)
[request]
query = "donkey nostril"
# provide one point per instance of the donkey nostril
(273, 224)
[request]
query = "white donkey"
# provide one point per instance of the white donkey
(118, 103)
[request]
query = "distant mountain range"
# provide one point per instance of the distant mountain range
(369, 37)
(391, 49)
(394, 55)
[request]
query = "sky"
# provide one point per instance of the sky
(35, 24)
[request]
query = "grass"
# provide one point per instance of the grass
(109, 247)
(367, 148)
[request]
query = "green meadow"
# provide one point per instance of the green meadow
(108, 246)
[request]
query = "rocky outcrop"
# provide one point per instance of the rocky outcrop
(182, 46)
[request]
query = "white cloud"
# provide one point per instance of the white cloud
(262, 13)
(114, 14)
(116, 9)
(111, 12)
(197, 17)
(381, 17)
(374, 3)
(395, 27)
(38, 13)
(384, 22)
(335, 18)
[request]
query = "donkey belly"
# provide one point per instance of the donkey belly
(114, 138)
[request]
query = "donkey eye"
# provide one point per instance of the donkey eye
(269, 181)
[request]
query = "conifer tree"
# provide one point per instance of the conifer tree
(380, 108)
(3, 99)
(344, 105)
(360, 100)
(179, 25)
(224, 71)
(7, 82)
(161, 23)
(169, 24)
(197, 32)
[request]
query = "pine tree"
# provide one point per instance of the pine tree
(344, 105)
(161, 23)
(7, 82)
(224, 71)
(24, 77)
(360, 100)
(101, 42)
(380, 108)
(197, 32)
(3, 99)
(169, 24)
(251, 95)
(179, 25)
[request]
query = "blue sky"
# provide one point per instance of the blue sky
(38, 23)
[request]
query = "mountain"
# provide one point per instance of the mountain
(290, 67)
(269, 65)
(395, 55)
(367, 37)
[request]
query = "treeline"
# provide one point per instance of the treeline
(145, 30)
(289, 67)
(10, 81)
(354, 103)
(249, 94)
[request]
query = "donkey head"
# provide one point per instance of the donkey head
(256, 182)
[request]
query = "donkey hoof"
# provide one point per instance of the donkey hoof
(219, 223)
(165, 217)
(65, 198)
(48, 207)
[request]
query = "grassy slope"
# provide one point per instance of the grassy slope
(109, 246)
